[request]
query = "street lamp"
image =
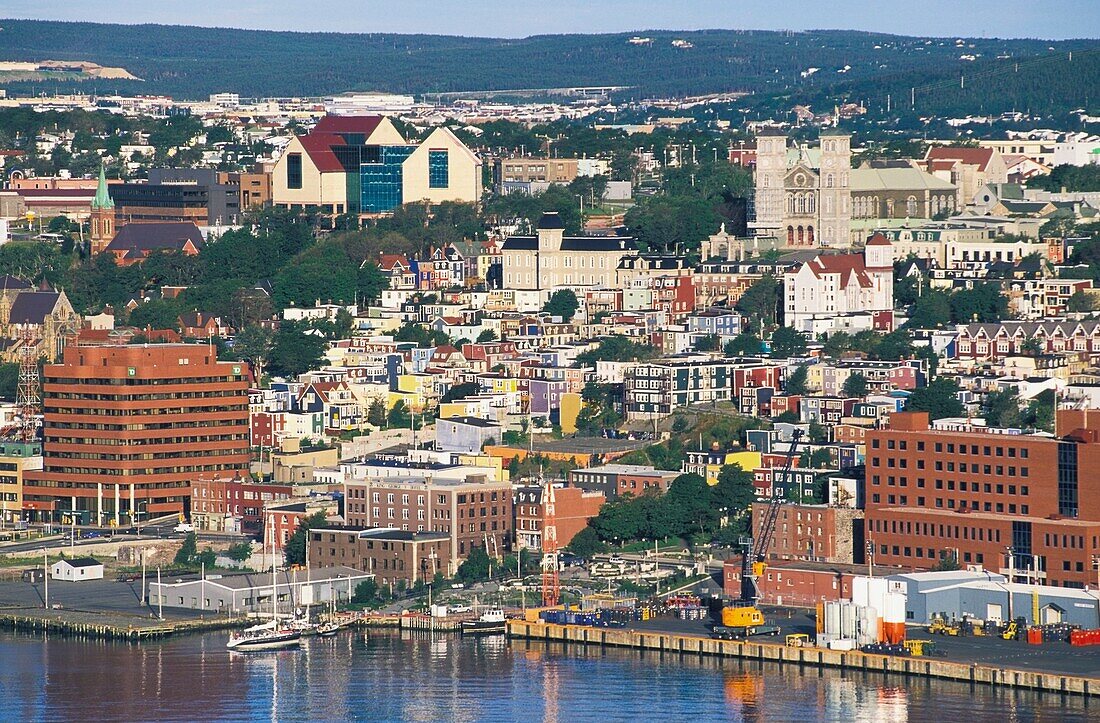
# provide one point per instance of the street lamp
(870, 558)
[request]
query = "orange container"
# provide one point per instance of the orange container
(1034, 636)
(893, 633)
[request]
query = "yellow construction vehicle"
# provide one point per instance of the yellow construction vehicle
(1012, 630)
(939, 627)
(744, 613)
(798, 640)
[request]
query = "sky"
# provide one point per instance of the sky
(1052, 19)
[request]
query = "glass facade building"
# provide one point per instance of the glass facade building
(381, 179)
(439, 171)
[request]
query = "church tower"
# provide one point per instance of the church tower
(835, 207)
(771, 172)
(102, 219)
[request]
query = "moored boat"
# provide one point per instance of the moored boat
(491, 621)
(268, 636)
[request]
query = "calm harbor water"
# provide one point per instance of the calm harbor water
(392, 676)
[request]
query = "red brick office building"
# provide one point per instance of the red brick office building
(959, 490)
(127, 429)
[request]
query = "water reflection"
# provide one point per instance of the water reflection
(421, 676)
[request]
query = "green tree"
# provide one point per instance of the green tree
(689, 503)
(787, 342)
(475, 567)
(294, 551)
(984, 303)
(709, 342)
(254, 343)
(563, 303)
(617, 348)
(296, 349)
(366, 592)
(744, 344)
(760, 303)
(376, 413)
(1001, 408)
(586, 543)
(188, 550)
(486, 336)
(940, 399)
(9, 380)
(1041, 410)
(735, 493)
(796, 382)
(855, 386)
(399, 416)
(931, 311)
(207, 558)
(1031, 346)
(239, 551)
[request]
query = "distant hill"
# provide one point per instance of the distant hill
(191, 62)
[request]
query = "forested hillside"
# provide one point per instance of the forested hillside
(190, 62)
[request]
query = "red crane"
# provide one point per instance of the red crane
(551, 586)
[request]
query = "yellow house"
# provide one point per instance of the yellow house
(709, 464)
(569, 410)
(497, 471)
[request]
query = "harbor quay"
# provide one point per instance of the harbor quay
(1080, 682)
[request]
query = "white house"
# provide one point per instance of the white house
(77, 569)
(835, 285)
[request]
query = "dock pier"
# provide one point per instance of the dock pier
(662, 642)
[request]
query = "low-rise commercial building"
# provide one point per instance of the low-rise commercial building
(391, 555)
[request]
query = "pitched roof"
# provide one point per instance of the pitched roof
(979, 157)
(319, 148)
(102, 197)
(551, 220)
(386, 262)
(878, 240)
(364, 124)
(574, 243)
(196, 319)
(846, 265)
(146, 237)
(896, 179)
(82, 562)
(13, 282)
(32, 307)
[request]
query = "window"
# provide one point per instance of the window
(294, 170)
(438, 169)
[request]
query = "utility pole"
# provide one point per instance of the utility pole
(870, 558)
(143, 576)
(46, 576)
(160, 597)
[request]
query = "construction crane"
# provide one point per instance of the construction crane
(744, 615)
(551, 586)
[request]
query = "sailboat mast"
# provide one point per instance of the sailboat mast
(274, 586)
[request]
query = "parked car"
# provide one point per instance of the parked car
(184, 527)
(91, 534)
(616, 560)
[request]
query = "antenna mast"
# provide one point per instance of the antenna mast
(28, 398)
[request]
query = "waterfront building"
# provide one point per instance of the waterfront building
(251, 592)
(128, 428)
(1017, 503)
(391, 555)
(473, 510)
(16, 458)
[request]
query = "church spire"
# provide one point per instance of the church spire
(102, 198)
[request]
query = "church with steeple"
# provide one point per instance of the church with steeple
(102, 219)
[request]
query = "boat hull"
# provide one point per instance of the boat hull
(477, 627)
(281, 641)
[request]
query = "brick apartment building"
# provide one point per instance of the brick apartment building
(620, 479)
(573, 508)
(233, 504)
(127, 429)
(816, 533)
(392, 555)
(960, 490)
(474, 512)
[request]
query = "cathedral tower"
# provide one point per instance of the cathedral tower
(102, 219)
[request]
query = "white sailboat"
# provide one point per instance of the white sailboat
(270, 635)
